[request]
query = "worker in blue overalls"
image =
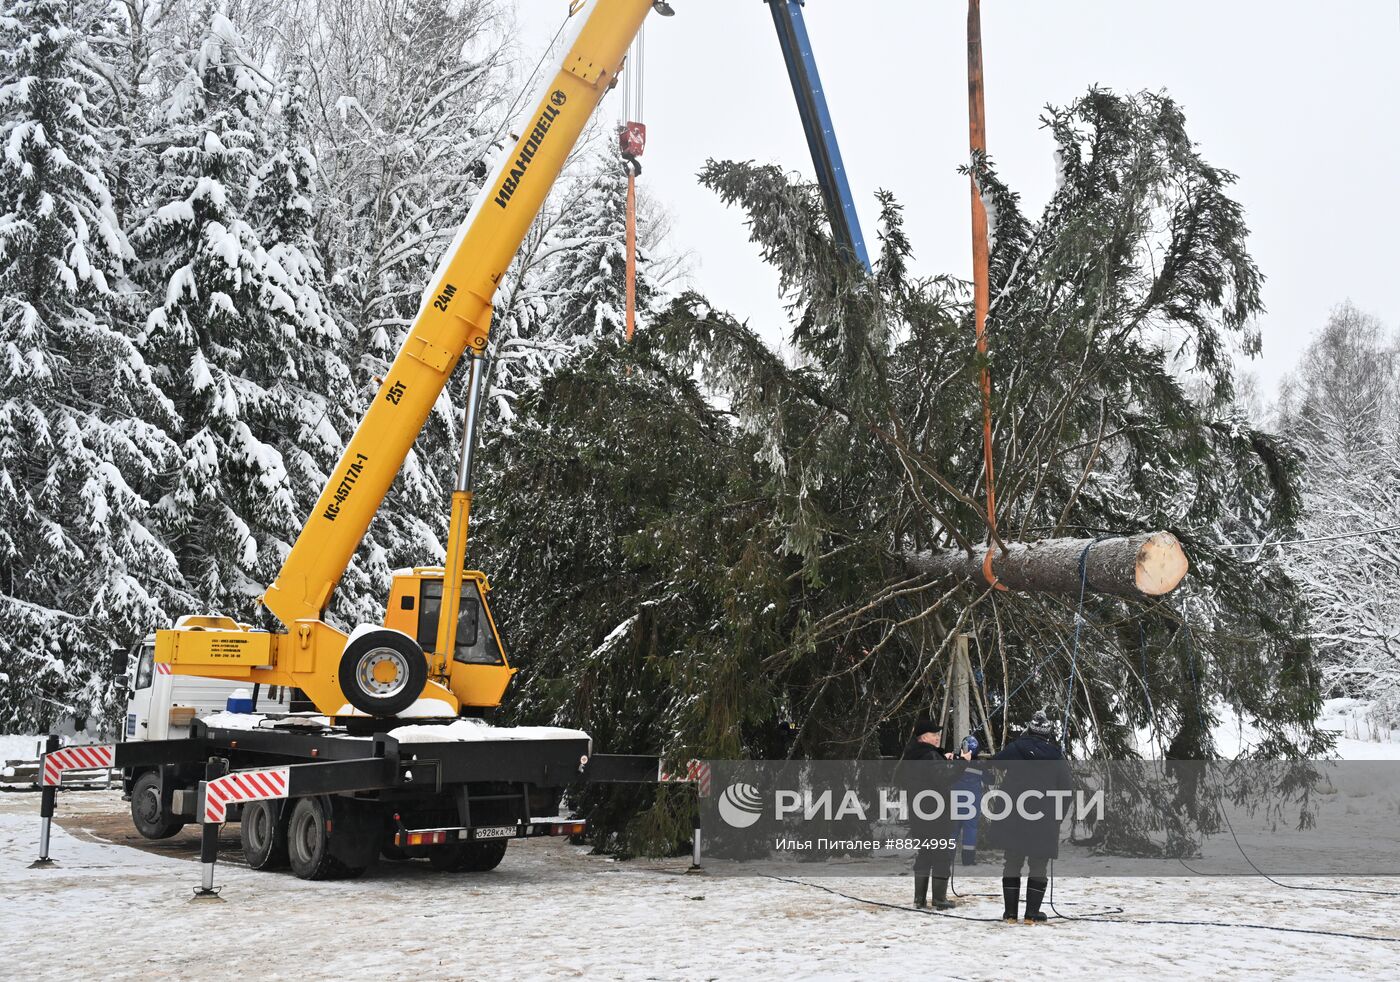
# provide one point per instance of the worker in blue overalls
(971, 782)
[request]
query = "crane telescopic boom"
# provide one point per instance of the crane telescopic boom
(801, 63)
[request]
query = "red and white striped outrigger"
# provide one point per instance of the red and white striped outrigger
(243, 786)
(52, 765)
(84, 758)
(697, 772)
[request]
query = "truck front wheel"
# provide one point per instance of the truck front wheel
(149, 816)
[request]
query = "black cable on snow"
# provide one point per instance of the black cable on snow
(1109, 915)
(1174, 922)
(1296, 886)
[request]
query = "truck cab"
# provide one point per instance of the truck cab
(161, 704)
(478, 668)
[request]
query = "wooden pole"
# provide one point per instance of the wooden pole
(947, 694)
(961, 683)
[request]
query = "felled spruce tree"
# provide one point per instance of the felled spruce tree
(1135, 279)
(790, 620)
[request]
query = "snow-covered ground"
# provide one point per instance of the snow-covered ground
(552, 911)
(1359, 736)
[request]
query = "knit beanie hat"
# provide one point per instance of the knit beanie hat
(1041, 726)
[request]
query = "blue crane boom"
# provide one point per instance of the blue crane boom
(816, 121)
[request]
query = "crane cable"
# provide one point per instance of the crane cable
(981, 287)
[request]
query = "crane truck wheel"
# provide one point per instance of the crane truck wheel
(147, 813)
(309, 843)
(263, 831)
(383, 672)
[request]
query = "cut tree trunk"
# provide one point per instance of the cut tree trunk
(1149, 564)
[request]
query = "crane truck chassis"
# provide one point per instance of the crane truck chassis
(329, 803)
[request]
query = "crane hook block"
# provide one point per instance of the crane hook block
(633, 139)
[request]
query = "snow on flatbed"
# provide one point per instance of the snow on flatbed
(476, 731)
(553, 911)
(259, 721)
(458, 731)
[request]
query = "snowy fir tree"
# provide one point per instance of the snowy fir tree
(315, 397)
(81, 439)
(237, 331)
(590, 274)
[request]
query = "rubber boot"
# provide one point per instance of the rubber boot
(940, 894)
(920, 891)
(1011, 894)
(1035, 893)
(969, 857)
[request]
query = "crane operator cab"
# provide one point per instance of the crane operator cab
(476, 672)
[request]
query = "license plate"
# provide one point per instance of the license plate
(495, 832)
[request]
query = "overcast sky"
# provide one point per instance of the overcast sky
(1297, 98)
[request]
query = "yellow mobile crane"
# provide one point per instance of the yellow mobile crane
(440, 613)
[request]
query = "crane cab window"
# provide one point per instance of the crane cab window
(145, 667)
(476, 645)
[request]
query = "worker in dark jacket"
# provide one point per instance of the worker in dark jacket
(1027, 840)
(932, 863)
